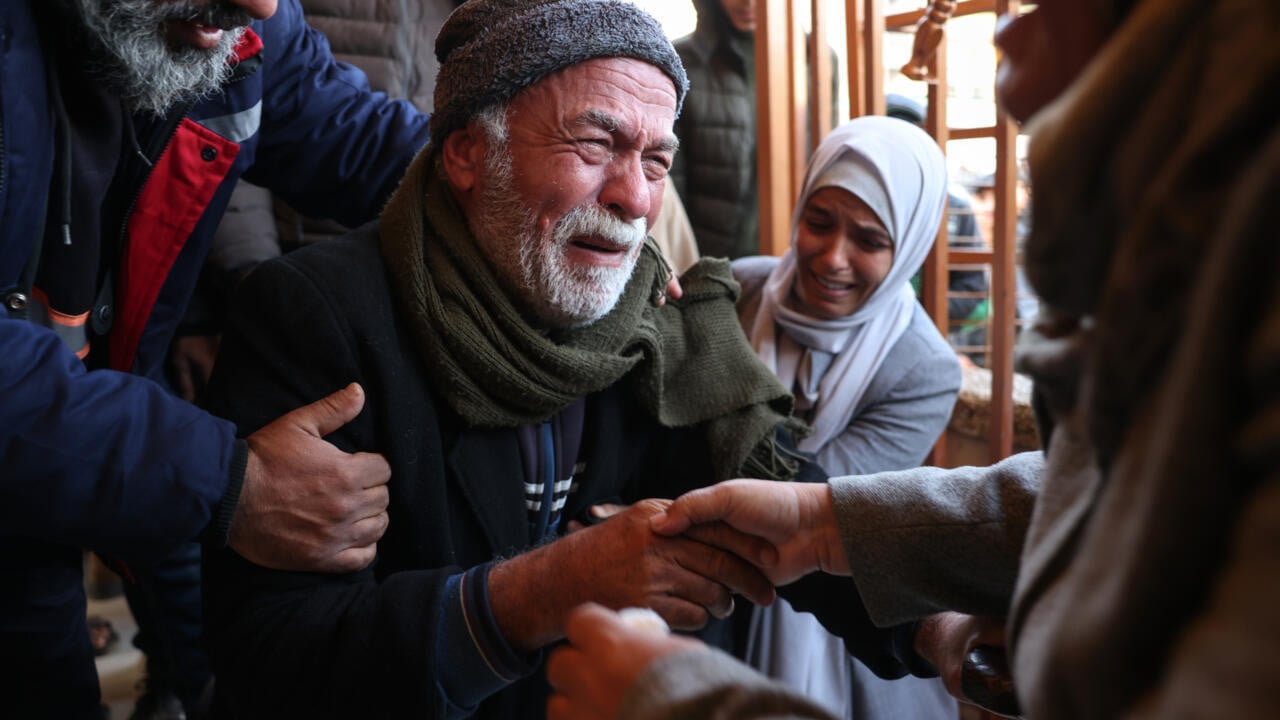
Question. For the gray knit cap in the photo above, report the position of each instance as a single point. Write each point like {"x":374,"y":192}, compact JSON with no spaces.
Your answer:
{"x":490,"y":50}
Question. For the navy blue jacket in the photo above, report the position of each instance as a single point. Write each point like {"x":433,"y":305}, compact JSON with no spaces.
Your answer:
{"x":104,"y":460}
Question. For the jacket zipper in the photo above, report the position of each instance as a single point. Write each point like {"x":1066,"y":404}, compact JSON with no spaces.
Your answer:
{"x":150,"y":159}
{"x":106,"y":295}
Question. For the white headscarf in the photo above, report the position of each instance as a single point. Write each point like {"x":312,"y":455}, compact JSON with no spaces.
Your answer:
{"x":900,"y":173}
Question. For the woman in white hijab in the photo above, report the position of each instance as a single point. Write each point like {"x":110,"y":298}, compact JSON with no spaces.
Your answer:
{"x":837,"y":320}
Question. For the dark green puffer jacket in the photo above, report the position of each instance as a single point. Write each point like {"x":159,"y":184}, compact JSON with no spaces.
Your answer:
{"x":715,"y":170}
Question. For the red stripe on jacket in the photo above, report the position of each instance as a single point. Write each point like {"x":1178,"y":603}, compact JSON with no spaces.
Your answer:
{"x":174,"y":198}
{"x":171,"y":203}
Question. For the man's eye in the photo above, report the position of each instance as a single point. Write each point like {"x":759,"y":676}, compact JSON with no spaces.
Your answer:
{"x":655,"y":170}
{"x":658,"y":164}
{"x":663,"y":160}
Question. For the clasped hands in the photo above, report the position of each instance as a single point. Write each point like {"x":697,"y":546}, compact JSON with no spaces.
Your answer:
{"x":766,"y":533}
{"x":786,"y":531}
{"x":685,"y":559}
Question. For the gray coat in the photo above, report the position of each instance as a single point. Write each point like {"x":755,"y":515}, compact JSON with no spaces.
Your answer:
{"x":906,"y":406}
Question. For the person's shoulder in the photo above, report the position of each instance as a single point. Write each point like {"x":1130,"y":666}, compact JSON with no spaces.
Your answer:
{"x":921,"y":362}
{"x":922,"y":344}
{"x":353,"y":260}
{"x":696,"y":46}
{"x":751,"y":273}
{"x":345,"y":274}
{"x":753,"y":269}
{"x":357,"y":247}
{"x":922,"y":334}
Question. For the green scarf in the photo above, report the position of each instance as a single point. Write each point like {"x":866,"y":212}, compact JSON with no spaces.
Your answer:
{"x":687,"y":362}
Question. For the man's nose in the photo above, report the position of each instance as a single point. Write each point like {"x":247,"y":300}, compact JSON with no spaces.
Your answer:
{"x":626,"y":189}
{"x":257,"y":9}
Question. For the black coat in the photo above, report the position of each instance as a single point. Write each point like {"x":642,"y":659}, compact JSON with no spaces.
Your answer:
{"x":361,"y":645}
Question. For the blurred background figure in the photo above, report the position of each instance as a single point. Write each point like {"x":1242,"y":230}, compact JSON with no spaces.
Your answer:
{"x":715,"y":170}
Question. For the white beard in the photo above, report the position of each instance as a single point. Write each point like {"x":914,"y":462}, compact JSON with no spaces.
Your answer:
{"x":536,"y":268}
{"x":580,"y":295}
{"x":137,"y":62}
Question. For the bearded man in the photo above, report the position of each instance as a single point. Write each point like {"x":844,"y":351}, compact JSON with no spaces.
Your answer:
{"x":123,"y":126}
{"x":503,"y":317}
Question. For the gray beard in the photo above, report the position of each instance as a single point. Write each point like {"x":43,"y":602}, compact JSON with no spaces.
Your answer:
{"x":136,"y":61}
{"x":534,"y":267}
{"x":578,"y":296}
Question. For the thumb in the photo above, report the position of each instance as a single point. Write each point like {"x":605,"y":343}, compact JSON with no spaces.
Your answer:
{"x":704,"y":505}
{"x":678,"y":517}
{"x":330,"y":413}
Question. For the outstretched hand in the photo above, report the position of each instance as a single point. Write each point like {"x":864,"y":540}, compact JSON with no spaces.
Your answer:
{"x":796,"y":519}
{"x":604,"y":656}
{"x":305,"y":504}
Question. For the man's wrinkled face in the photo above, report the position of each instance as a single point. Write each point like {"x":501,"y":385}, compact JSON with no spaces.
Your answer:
{"x":558,"y":292}
{"x":155,"y":54}
{"x":565,"y":197}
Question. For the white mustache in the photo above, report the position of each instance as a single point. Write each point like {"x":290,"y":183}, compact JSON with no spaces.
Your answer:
{"x":594,"y":220}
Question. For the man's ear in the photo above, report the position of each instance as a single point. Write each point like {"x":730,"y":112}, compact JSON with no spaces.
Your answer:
{"x":463,"y":155}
